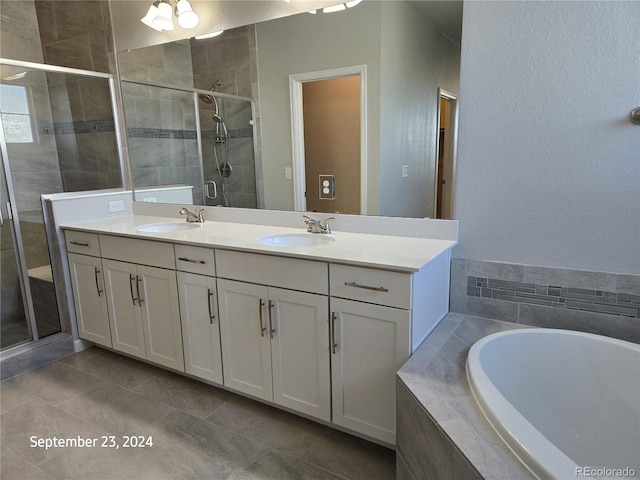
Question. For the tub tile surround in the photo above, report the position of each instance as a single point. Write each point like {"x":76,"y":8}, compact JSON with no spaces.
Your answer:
{"x":594,"y":302}
{"x":441,"y":431}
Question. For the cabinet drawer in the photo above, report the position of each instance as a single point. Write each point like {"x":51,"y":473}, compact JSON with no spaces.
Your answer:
{"x":195,"y":260}
{"x":381,"y":287}
{"x":291,"y":273}
{"x":144,"y":252}
{"x":82,"y":242}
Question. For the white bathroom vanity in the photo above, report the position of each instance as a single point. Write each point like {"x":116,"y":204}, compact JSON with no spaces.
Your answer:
{"x":317,"y":327}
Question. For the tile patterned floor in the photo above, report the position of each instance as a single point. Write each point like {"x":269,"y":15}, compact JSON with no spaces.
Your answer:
{"x":198,"y":431}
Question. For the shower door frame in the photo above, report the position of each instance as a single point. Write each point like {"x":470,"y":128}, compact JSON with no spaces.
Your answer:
{"x":66,"y":326}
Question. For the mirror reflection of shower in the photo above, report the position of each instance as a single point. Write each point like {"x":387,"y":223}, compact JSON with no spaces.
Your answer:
{"x":220,"y":148}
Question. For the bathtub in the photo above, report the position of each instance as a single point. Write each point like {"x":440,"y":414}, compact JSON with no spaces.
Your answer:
{"x":566,"y":403}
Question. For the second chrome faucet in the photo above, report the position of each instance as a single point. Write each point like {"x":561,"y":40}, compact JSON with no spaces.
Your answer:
{"x":317,"y":226}
{"x":192,"y":217}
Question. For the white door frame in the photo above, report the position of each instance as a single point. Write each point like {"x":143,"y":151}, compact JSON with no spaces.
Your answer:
{"x":297,"y":129}
{"x":449,"y":153}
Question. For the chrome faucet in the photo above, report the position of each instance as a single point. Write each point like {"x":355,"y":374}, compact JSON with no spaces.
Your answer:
{"x":316,"y":226}
{"x":192,"y":217}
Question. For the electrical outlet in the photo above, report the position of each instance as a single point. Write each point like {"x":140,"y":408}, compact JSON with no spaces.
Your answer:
{"x":117,"y":206}
{"x":327,"y":187}
{"x":405,"y":170}
{"x":287,"y":173}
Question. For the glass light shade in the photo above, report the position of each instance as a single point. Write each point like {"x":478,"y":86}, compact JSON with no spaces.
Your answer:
{"x":152,"y":13}
{"x":334,"y":8}
{"x":164,"y":19}
{"x":209,"y":35}
{"x":187,"y":18}
{"x":352,"y":3}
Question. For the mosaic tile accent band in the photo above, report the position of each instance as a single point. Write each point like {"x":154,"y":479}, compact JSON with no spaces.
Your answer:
{"x":610,"y":303}
{"x":88,"y":126}
{"x":107,"y":125}
{"x":185,"y":134}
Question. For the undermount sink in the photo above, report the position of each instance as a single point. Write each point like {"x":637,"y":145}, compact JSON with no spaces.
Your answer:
{"x":166,"y":227}
{"x":296,"y":240}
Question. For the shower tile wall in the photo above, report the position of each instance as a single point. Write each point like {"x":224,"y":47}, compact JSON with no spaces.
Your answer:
{"x":231,"y":58}
{"x":161,"y":125}
{"x":76,"y":34}
{"x":85,"y":133}
{"x":19,"y":32}
{"x":596,"y":302}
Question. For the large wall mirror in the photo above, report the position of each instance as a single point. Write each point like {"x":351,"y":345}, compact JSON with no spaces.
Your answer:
{"x":333,"y":112}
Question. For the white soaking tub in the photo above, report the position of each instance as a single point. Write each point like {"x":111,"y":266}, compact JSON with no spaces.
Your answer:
{"x":566,"y":403}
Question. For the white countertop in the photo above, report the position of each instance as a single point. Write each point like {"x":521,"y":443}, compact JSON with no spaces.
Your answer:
{"x":407,"y":254}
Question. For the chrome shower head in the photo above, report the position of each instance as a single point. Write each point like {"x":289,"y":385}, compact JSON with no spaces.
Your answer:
{"x":210,"y":98}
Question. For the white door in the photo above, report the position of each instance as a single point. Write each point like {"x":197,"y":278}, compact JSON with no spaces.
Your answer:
{"x":300,"y":351}
{"x":246,"y":349}
{"x":200,"y":326}
{"x":90,"y":299}
{"x":125,"y":316}
{"x":371,"y":344}
{"x":158,"y":299}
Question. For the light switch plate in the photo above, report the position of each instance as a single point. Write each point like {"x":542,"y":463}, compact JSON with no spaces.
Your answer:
{"x":405,"y":170}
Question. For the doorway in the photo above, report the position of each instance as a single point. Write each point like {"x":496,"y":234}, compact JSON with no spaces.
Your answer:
{"x":445,"y":153}
{"x":328,"y":112}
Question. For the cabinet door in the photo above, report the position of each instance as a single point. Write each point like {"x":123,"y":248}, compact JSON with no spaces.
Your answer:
{"x":299,"y":331}
{"x":158,"y":291}
{"x":246,"y":350}
{"x":125,"y":317}
{"x":371,"y":343}
{"x":200,"y":326}
{"x":90,"y":299}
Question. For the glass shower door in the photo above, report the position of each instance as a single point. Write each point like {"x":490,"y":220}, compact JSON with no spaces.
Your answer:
{"x":57,"y":134}
{"x":15,"y":328}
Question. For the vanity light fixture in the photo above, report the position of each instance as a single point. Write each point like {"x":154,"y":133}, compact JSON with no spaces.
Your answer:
{"x":208,"y":35}
{"x":338,"y":8}
{"x":160,"y":15}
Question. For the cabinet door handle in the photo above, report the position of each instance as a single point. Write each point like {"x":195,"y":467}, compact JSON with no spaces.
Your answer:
{"x":260,"y":305}
{"x":139,"y":280}
{"x":97,"y":285}
{"x":209,"y":300}
{"x":185,"y":259}
{"x":332,"y":330}
{"x":80,"y":244}
{"x":366,"y":287}
{"x":271,"y":329}
{"x":131,"y":280}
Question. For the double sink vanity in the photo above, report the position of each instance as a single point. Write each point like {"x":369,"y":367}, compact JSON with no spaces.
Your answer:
{"x":316,"y":324}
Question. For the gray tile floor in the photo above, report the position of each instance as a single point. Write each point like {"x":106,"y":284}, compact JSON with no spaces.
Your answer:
{"x":198,"y":431}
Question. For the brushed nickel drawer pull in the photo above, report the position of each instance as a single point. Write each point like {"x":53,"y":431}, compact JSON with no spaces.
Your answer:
{"x":366,"y":287}
{"x":97,"y":285}
{"x":209,"y":299}
{"x":131,"y":280}
{"x":333,"y":333}
{"x":185,"y":259}
{"x":80,"y":244}
{"x":139,"y":280}
{"x":260,"y":305}
{"x":271,"y":329}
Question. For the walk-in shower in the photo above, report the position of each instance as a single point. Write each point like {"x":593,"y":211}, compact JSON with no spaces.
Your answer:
{"x":189,"y":145}
{"x":220,"y":148}
{"x":57,"y":134}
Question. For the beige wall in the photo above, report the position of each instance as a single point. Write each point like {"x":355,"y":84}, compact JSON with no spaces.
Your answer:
{"x":332,"y":142}
{"x":416,"y":61}
{"x":299,"y":44}
{"x":406,"y":61}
